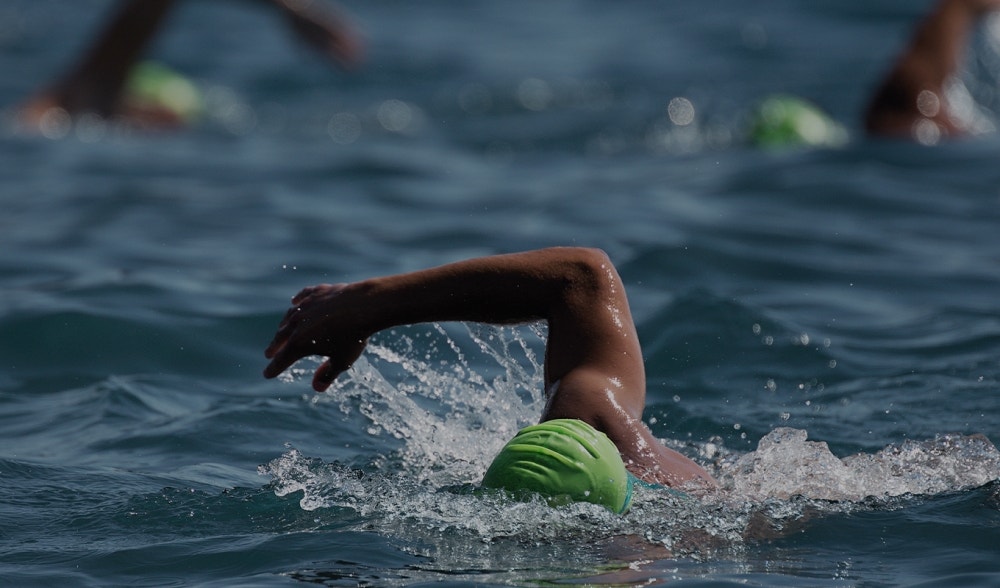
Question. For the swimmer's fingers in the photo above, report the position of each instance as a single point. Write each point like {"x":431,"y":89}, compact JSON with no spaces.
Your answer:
{"x":280,"y":349}
{"x":321,"y":323}
{"x":343,"y":356}
{"x":324,"y":376}
{"x":317,"y":292}
{"x":305,"y":293}
{"x":303,"y":306}
{"x":281,"y":337}
{"x":281,"y":359}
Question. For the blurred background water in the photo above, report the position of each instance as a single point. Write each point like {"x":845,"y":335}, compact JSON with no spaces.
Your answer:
{"x":848,"y":294}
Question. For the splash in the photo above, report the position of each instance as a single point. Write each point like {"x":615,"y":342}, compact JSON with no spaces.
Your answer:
{"x":440,"y":404}
{"x":444,"y":400}
{"x":396,"y":504}
{"x":322,"y":485}
{"x":786,"y":465}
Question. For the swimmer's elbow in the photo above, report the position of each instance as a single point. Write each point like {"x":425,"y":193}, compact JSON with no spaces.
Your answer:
{"x":585,"y":267}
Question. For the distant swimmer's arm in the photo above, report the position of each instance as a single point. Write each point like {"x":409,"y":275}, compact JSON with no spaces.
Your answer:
{"x":593,"y":366}
{"x":914,"y":89}
{"x":98,"y":80}
{"x":325,"y":30}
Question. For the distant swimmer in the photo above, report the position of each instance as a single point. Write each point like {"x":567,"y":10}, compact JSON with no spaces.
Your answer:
{"x":782,"y":121}
{"x":911,"y":101}
{"x":591,"y":443}
{"x":110,"y":81}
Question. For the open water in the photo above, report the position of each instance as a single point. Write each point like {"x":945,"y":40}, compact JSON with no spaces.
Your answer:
{"x":821,"y":326}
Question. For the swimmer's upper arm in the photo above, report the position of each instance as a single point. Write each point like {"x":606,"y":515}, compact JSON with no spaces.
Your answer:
{"x":598,"y":398}
{"x":593,"y":347}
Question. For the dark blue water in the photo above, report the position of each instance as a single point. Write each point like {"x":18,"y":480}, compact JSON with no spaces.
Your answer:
{"x":845,"y":294}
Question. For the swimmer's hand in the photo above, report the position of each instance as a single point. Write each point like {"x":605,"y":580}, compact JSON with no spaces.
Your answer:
{"x":326,"y":31}
{"x":320,"y":322}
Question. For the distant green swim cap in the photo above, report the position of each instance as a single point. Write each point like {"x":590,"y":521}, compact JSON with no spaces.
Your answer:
{"x":156,"y":85}
{"x":565,"y":460}
{"x":787,"y":121}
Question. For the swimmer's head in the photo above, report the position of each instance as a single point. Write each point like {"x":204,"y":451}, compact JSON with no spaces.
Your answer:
{"x":153,"y":86}
{"x":787,"y":121}
{"x":565,"y":460}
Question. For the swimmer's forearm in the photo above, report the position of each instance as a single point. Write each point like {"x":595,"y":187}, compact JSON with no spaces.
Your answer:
{"x":934,"y":53}
{"x":576,"y":291}
{"x":324,"y":28}
{"x":940,"y":40}
{"x":502,"y":289}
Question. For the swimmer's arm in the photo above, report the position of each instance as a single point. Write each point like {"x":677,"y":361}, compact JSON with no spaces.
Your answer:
{"x":932,"y":57}
{"x":325,"y":30}
{"x":599,"y":400}
{"x":575,"y":290}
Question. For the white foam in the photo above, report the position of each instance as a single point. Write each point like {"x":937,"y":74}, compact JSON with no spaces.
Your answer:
{"x":785,"y":465}
{"x":449,"y":409}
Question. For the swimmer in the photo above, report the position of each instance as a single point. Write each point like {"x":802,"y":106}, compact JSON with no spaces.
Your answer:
{"x":594,"y":371}
{"x":782,"y":121}
{"x":100,"y":83}
{"x":911,"y":101}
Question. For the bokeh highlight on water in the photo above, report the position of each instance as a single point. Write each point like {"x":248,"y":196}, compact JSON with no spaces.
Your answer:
{"x":820,"y":325}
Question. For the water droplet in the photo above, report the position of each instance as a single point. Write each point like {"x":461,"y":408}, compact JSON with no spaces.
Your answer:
{"x":681,"y":111}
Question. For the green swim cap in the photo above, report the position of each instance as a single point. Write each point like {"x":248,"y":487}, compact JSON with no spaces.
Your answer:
{"x":565,"y":460}
{"x":154,"y":84}
{"x":788,"y":121}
